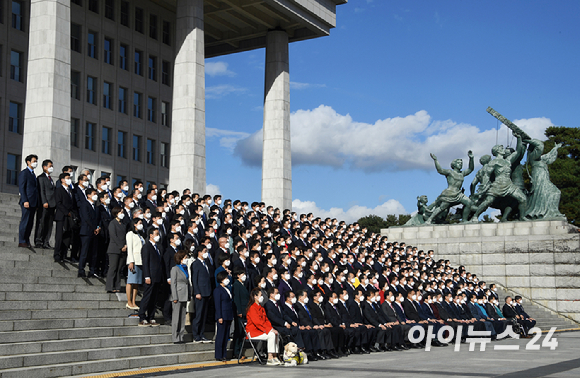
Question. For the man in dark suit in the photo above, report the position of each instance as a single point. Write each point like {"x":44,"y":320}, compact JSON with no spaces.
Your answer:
{"x":393,"y":318}
{"x":153,"y":275}
{"x":45,"y":215}
{"x":371,"y":316}
{"x":90,"y":228}
{"x":327,"y":311}
{"x":103,"y":238}
{"x":355,"y":310}
{"x":362,"y":334}
{"x":28,"y":189}
{"x":201,"y":280}
{"x":528,"y":321}
{"x":309,"y":335}
{"x":307,"y":319}
{"x":280,"y":321}
{"x":65,"y":211}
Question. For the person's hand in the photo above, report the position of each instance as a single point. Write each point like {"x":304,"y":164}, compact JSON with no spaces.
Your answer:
{"x":240,"y":315}
{"x":132,"y":267}
{"x":294,"y":324}
{"x":97,"y":231}
{"x":148,"y":281}
{"x":124,"y":249}
{"x":220,"y":321}
{"x":470,"y":154}
{"x":433,"y":157}
{"x":275,"y":332}
{"x":198,"y":297}
{"x":45,"y":205}
{"x":175,"y":301}
{"x":288,"y":325}
{"x":26,"y":205}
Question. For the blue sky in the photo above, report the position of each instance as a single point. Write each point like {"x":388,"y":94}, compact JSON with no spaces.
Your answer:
{"x":394,"y":81}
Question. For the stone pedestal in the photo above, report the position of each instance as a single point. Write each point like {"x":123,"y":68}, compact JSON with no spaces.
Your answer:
{"x":539,"y":260}
{"x":277,"y":156}
{"x":187,"y":152}
{"x":46,"y":130}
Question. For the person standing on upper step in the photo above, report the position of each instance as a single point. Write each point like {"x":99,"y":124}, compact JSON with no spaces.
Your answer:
{"x":28,"y":189}
{"x":153,"y":273}
{"x":46,"y":208}
{"x":90,"y":229}
{"x":66,"y":213}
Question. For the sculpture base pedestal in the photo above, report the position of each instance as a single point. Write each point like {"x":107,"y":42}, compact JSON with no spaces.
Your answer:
{"x":538,"y":259}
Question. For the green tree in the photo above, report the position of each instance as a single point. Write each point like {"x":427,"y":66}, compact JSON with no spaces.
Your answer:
{"x":373,"y":223}
{"x":565,"y":171}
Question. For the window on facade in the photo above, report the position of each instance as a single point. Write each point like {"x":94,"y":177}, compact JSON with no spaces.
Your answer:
{"x":15,"y":117}
{"x":90,"y":136}
{"x":164,"y":155}
{"x":121,"y":142}
{"x":107,"y":101}
{"x":136,"y":148}
{"x":92,"y":44}
{"x":77,"y":2}
{"x":94,"y":6}
{"x":75,"y":84}
{"x":165,"y":66}
{"x":106,"y":140}
{"x":139,"y":20}
{"x":17,"y":15}
{"x":153,"y":26}
{"x":12,"y":165}
{"x":150,"y":151}
{"x":123,"y":100}
{"x":120,"y":178}
{"x":125,"y":13}
{"x":165,"y":106}
{"x":15,"y":65}
{"x":123,"y":56}
{"x":91,"y":90}
{"x":74,"y":132}
{"x":75,"y":37}
{"x":151,"y":105}
{"x":110,"y":9}
{"x":138,"y":62}
{"x":108,"y":51}
{"x":137,"y":105}
{"x":152,"y":68}
{"x":167,"y":33}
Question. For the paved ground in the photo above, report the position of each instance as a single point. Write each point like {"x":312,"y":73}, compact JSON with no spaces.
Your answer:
{"x":562,"y":362}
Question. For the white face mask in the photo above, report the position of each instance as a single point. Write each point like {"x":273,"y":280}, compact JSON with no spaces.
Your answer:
{"x":131,"y":205}
{"x":156,"y":239}
{"x":414,"y":297}
{"x":121,"y":216}
{"x":243,"y":277}
{"x":227,"y":263}
{"x":211,"y":234}
{"x":139,"y":227}
{"x":141,"y":189}
{"x":226,"y":282}
{"x":159,"y":221}
{"x":276,"y":297}
{"x":275,"y":277}
{"x":261,"y":299}
{"x":67,"y":182}
{"x":177,"y":242}
{"x":392,"y":298}
{"x":94,"y":197}
{"x":50,"y":170}
{"x":229,"y":232}
{"x":107,"y":201}
{"x":125,"y":188}
{"x":204,"y":255}
{"x":139,"y":196}
{"x":263,"y":285}
{"x":293,"y":300}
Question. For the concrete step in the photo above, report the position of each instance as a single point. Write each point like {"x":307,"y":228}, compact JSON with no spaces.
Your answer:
{"x":56,"y":296}
{"x":60,"y":305}
{"x":85,"y":343}
{"x":43,"y":324}
{"x":44,"y":280}
{"x":69,"y":288}
{"x":67,"y":271}
{"x":84,"y":367}
{"x":62,"y":314}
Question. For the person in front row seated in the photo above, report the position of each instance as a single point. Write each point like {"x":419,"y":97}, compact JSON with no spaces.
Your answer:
{"x":478,"y":314}
{"x":180,"y":295}
{"x":309,"y":335}
{"x":371,"y":317}
{"x":529,"y":321}
{"x":361,"y":333}
{"x":318,"y":308}
{"x":393,"y":318}
{"x":201,"y":282}
{"x":355,"y":310}
{"x":510,"y":312}
{"x":307,"y":320}
{"x":259,"y":326}
{"x":224,"y":314}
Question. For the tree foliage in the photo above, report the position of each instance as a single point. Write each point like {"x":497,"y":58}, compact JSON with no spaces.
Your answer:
{"x":374,"y":223}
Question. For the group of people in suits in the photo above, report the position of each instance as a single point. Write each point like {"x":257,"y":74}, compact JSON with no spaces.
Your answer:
{"x":332,"y":288}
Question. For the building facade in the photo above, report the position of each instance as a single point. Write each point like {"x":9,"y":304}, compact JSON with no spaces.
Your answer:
{"x":106,"y":84}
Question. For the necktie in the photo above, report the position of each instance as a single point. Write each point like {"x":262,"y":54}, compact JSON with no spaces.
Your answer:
{"x":306,"y":308}
{"x":50,"y":179}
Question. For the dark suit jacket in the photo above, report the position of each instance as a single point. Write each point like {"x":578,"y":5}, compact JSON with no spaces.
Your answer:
{"x":390,"y":313}
{"x":46,"y":190}
{"x":276,"y":315}
{"x":304,"y":319}
{"x":356,"y":313}
{"x":168,"y":260}
{"x":90,"y":218}
{"x":65,"y":203}
{"x":345,"y":315}
{"x":241,"y":298}
{"x":283,"y":288}
{"x":410,"y":311}
{"x":400,"y":312}
{"x":332,"y":314}
{"x":508,"y":311}
{"x":292,"y":315}
{"x":318,"y":313}
{"x":520,"y":311}
{"x":106,"y":218}
{"x":117,"y":237}
{"x":224,"y":305}
{"x":27,"y":186}
{"x":200,"y":279}
{"x":152,"y":263}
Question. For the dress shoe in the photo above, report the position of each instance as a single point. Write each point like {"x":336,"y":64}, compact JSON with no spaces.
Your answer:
{"x":58,"y":261}
{"x":365,"y":350}
{"x":356,"y":350}
{"x":47,"y":246}
{"x":81,"y":275}
{"x":321,"y":356}
{"x":333,"y":355}
{"x":312,"y":357}
{"x":373,"y":349}
{"x":38,"y":245}
{"x":93,"y":275}
{"x":403,"y":347}
{"x":23,"y":245}
{"x":396,"y":348}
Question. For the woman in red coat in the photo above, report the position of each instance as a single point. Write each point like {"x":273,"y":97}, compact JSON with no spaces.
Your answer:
{"x":259,"y":327}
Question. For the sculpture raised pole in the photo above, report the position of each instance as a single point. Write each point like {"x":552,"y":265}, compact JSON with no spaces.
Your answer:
{"x":501,"y":184}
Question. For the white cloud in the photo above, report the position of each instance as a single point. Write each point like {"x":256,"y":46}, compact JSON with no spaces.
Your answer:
{"x":218,"y":91}
{"x":218,"y":69}
{"x":350,"y":215}
{"x":228,"y":138}
{"x":212,"y":189}
{"x":298,"y":86}
{"x":323,"y":137}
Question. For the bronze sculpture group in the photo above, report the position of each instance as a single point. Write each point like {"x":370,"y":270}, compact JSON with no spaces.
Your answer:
{"x":499,"y":184}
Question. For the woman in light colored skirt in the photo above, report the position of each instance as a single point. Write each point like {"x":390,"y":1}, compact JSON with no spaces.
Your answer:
{"x":135,"y":242}
{"x":180,"y":294}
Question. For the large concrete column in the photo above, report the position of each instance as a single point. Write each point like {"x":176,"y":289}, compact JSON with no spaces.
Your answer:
{"x":277,"y":157}
{"x":187,"y":150}
{"x":46,"y":130}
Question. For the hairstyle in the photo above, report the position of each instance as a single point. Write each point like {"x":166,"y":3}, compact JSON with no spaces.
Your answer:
{"x":116,"y":210}
{"x":221,"y":276}
{"x":30,"y":157}
{"x":179,"y":255}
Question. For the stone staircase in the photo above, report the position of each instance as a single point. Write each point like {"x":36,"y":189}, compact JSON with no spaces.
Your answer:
{"x":53,"y":324}
{"x":545,"y":318}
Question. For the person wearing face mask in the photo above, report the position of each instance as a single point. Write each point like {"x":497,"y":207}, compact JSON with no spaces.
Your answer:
{"x":90,"y":228}
{"x":355,"y":311}
{"x":224,"y":263}
{"x":241,"y":297}
{"x":224,"y":314}
{"x":65,"y":217}
{"x":45,"y":213}
{"x":28,"y":189}
{"x":134,"y":240}
{"x":116,"y":251}
{"x":151,"y":201}
{"x":284,"y":285}
{"x":309,"y":334}
{"x":280,"y":320}
{"x":259,"y":326}
{"x":392,"y":318}
{"x":102,"y":261}
{"x":372,"y":317}
{"x":202,"y":289}
{"x":154,"y":276}
{"x":180,"y":295}
{"x":308,"y":319}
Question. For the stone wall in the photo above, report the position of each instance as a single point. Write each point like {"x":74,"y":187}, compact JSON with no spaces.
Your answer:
{"x":539,"y":260}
